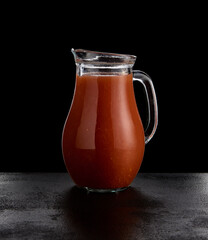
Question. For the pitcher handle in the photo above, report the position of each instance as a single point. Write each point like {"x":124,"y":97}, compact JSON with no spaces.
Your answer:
{"x":146,"y":81}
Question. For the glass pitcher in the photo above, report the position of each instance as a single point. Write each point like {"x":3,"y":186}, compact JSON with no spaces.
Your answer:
{"x":103,"y":138}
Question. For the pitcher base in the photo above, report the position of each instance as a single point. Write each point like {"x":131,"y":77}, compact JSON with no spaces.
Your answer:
{"x":105,"y":190}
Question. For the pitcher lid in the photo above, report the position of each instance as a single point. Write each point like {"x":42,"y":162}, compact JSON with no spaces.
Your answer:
{"x":94,"y":57}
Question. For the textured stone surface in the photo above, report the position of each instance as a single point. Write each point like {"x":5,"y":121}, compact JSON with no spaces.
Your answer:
{"x":156,"y":206}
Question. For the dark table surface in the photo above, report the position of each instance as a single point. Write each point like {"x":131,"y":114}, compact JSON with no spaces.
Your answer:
{"x":156,"y":206}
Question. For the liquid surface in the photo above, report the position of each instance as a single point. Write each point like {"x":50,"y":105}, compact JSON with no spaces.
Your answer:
{"x":103,"y":137}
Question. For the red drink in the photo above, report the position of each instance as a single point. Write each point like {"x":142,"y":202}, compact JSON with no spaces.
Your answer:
{"x":103,"y":138}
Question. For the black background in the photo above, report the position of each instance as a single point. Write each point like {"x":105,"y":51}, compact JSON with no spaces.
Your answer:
{"x":39,"y":77}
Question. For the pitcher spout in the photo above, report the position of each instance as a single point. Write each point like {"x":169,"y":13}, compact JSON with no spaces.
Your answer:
{"x":94,"y":57}
{"x":74,"y":53}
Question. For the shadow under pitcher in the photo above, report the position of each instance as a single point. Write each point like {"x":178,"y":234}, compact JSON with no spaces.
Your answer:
{"x":103,"y":139}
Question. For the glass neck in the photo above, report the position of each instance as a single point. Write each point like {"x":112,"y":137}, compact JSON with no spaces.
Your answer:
{"x":104,"y":69}
{"x":102,"y":63}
